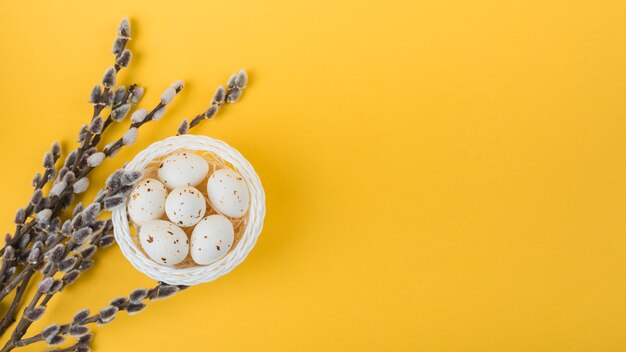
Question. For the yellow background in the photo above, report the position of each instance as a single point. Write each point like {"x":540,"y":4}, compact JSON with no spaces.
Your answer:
{"x":440,"y":175}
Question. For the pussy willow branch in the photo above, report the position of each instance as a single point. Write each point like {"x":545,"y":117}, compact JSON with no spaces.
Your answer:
{"x":38,"y":182}
{"x":109,"y":151}
{"x":54,"y":256}
{"x":221,"y":96}
{"x":109,"y":120}
{"x":133,"y":304}
{"x":231,"y":94}
{"x":9,"y":317}
{"x":119,"y":49}
{"x":122,"y":59}
{"x":42,"y":243}
{"x":100,"y":101}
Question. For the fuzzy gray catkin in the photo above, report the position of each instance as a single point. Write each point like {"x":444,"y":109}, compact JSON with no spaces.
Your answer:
{"x":123,"y":30}
{"x":96,"y":159}
{"x":108,"y":79}
{"x":183,"y":128}
{"x":136,"y":95}
{"x":158,"y":113}
{"x":168,"y":95}
{"x":81,"y":185}
{"x":130,"y":136}
{"x":139,"y":115}
{"x":124,"y":58}
{"x":118,"y":114}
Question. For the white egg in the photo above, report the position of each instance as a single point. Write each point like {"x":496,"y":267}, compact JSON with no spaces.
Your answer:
{"x":228,"y":193}
{"x":183,"y":169}
{"x":164,"y":242}
{"x":211,"y":239}
{"x":185,"y":206}
{"x":147,"y":201}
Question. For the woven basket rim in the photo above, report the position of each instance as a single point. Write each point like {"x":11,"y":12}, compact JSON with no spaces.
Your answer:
{"x":197,"y":274}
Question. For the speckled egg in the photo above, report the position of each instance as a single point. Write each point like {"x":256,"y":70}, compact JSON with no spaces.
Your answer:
{"x":147,"y":201}
{"x":228,"y":193}
{"x":183,"y":169}
{"x":185,"y":206}
{"x":164,"y":242}
{"x":211,"y":239}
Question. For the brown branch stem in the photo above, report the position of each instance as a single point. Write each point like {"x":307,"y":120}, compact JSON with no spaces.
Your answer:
{"x":9,"y":317}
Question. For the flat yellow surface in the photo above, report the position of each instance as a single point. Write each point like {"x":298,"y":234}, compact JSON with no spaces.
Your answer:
{"x":440,"y":175}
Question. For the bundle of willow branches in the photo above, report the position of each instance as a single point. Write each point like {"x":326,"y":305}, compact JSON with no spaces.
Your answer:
{"x":50,"y":250}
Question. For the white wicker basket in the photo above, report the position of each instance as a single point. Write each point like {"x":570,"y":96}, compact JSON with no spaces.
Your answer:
{"x":193,"y":275}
